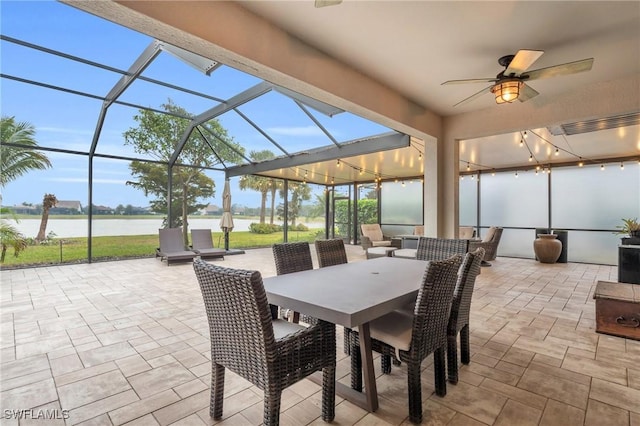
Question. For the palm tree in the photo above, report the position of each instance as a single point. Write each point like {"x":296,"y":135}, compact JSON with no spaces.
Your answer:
{"x":258,"y":183}
{"x":14,"y":161}
{"x":49,"y":201}
{"x":10,"y":237}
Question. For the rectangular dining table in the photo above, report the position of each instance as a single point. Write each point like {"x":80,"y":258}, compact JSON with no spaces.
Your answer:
{"x":351,"y":294}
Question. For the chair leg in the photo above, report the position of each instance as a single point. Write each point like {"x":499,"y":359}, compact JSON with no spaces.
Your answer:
{"x":356,"y":366}
{"x":464,"y":345}
{"x":439,"y":370}
{"x":385,"y":361}
{"x":274,"y":311}
{"x":272,"y":399}
{"x":328,"y":393}
{"x":415,"y":392}
{"x":347,"y":341}
{"x":452,"y":358}
{"x":294,"y":317}
{"x":217,"y":390}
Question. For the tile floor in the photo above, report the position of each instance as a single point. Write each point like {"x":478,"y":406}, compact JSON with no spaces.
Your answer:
{"x":127,"y":343}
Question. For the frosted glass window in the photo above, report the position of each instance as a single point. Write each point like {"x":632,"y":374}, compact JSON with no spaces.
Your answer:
{"x":588,"y":198}
{"x":516,"y":243}
{"x":401,"y":205}
{"x":593,"y":247}
{"x":508,"y":200}
{"x":468,"y":195}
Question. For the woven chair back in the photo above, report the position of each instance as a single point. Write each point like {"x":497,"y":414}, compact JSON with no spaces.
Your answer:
{"x":239,"y":318}
{"x":331,"y":252}
{"x":292,"y":257}
{"x":463,"y":293}
{"x":440,"y":248}
{"x":171,"y":240}
{"x":201,"y":239}
{"x":433,"y":305}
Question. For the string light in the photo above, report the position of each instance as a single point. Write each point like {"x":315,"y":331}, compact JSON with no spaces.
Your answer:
{"x":580,"y":164}
{"x":468,"y":166}
{"x":403,"y":184}
{"x":473,"y":177}
{"x":536,"y":172}
{"x":419,"y":156}
{"x":338,"y":162}
{"x":525,"y":134}
{"x":516,"y":175}
{"x":557,"y":151}
{"x":530,"y":157}
{"x":621,"y":166}
{"x":602,"y":167}
{"x":493,"y":173}
{"x":521,"y":143}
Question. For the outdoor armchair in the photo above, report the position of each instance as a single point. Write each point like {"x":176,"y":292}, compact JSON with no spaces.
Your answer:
{"x":411,"y":338}
{"x":271,"y":354}
{"x":202,"y":244}
{"x":489,"y":243}
{"x":172,"y":248}
{"x":371,"y":236}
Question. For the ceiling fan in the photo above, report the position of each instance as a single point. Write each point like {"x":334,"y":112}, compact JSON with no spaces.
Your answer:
{"x":510,"y":84}
{"x":323,"y":3}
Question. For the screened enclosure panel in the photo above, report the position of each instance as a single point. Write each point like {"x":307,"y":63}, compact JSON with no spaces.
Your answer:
{"x":593,"y":247}
{"x":511,"y":201}
{"x":589,"y":198}
{"x":516,"y":243}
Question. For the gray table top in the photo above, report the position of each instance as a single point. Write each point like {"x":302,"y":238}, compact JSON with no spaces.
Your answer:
{"x":350,"y":294}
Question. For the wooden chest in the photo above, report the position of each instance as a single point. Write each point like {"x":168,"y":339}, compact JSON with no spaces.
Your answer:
{"x":618,"y":309}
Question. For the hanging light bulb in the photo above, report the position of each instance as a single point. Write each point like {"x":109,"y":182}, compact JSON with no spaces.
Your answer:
{"x":361,"y":170}
{"x":338,"y":162}
{"x":403,"y":184}
{"x":557,"y":151}
{"x":461,"y":177}
{"x":493,"y":173}
{"x":536,"y":172}
{"x":419,"y":155}
{"x":332,"y":181}
{"x":473,"y":177}
{"x":621,"y":166}
{"x":396,"y":180}
{"x":516,"y":175}
{"x":602,"y":167}
{"x":468,"y":167}
{"x":521,"y":143}
{"x":580,"y":164}
{"x":538,"y":167}
{"x":530,"y":157}
{"x":525,"y":134}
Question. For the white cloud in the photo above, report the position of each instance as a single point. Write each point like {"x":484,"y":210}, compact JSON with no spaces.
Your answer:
{"x":295,"y":131}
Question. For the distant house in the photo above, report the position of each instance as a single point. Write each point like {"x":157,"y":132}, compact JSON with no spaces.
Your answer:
{"x":102,"y":210}
{"x":22,"y":209}
{"x":211,"y":210}
{"x":66,"y":207}
{"x":239,"y":210}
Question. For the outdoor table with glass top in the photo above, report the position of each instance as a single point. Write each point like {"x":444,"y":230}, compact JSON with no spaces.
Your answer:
{"x":351,"y":294}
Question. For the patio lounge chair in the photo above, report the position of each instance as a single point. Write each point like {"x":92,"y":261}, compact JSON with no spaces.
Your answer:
{"x":172,"y":247}
{"x":271,"y":354}
{"x":202,"y":244}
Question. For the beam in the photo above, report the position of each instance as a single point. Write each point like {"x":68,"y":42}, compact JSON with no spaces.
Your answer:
{"x":235,"y":101}
{"x":370,"y":145}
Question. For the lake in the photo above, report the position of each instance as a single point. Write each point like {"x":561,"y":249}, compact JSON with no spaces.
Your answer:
{"x":67,"y":228}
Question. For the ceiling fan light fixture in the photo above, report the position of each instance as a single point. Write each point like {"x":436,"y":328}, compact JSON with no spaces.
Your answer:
{"x":507,"y":91}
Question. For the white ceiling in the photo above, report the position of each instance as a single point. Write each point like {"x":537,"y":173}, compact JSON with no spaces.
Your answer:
{"x":414,"y":46}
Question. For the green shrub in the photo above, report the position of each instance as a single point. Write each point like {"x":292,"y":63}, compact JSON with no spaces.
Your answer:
{"x":264,"y":228}
{"x":300,"y":227}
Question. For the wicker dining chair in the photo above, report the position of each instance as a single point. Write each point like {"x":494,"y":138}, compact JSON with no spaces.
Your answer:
{"x":459,"y":317}
{"x":271,"y":354}
{"x":440,"y":248}
{"x":289,"y":258}
{"x":330,"y":253}
{"x":413,"y":338}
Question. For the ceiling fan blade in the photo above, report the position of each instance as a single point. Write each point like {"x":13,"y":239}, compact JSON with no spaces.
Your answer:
{"x":475,"y":95}
{"x":470,"y":80}
{"x":323,"y":3}
{"x":522,"y":61}
{"x":526,"y":93}
{"x":563,"y":69}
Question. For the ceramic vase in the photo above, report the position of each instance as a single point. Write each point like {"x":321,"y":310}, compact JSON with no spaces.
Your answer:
{"x":547,"y":248}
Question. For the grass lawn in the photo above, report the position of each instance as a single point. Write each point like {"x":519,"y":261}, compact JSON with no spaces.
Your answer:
{"x":70,"y":250}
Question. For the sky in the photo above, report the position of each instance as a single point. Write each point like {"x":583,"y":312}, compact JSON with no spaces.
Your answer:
{"x":68,"y":121}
